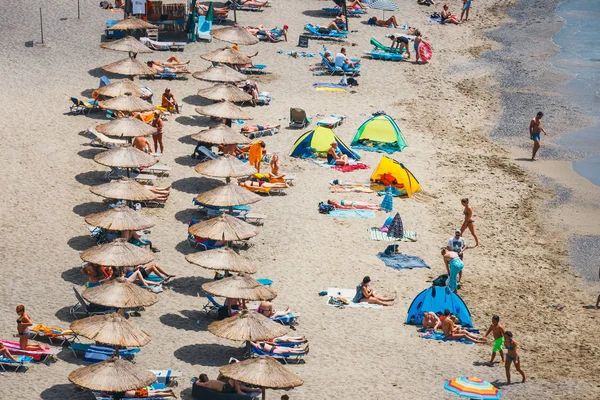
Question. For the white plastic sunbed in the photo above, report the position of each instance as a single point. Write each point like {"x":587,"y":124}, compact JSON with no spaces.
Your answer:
{"x":99,"y":139}
{"x":158,"y":170}
{"x":162,"y":46}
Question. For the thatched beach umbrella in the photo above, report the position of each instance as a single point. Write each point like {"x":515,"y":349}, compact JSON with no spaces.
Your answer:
{"x":236,"y":35}
{"x":123,"y":189}
{"x":223,"y":227}
{"x":220,"y":73}
{"x":119,"y":88}
{"x":119,"y":293}
{"x":131,"y":23}
{"x":226,"y":55}
{"x":224,"y":92}
{"x":121,"y":218}
{"x":118,"y":253}
{"x":112,"y":375}
{"x":223,"y":259}
{"x":228,"y":196}
{"x":111,"y":329}
{"x":126,"y":103}
{"x":226,"y":166}
{"x":128,"y":44}
{"x":125,"y":157}
{"x":224,"y":110}
{"x":126,"y":127}
{"x":239,"y":287}
{"x":247,"y":326}
{"x":220,"y":134}
{"x":264,"y":371}
{"x":129,"y":66}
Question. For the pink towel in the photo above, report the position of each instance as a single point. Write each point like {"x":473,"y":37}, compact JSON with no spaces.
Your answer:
{"x":351,"y":167}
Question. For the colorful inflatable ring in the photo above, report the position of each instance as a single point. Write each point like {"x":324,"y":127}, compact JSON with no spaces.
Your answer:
{"x":425,"y":51}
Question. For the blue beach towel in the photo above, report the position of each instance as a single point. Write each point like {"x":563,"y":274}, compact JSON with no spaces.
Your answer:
{"x":435,"y":20}
{"x":330,"y":85}
{"x":352,"y":214}
{"x":440,"y":336}
{"x":402,"y":261}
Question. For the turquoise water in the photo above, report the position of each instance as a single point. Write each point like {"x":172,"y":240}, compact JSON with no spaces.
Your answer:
{"x":579,"y":42}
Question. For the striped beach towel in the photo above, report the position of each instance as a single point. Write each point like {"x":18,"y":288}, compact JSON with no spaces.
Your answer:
{"x":376,"y":234}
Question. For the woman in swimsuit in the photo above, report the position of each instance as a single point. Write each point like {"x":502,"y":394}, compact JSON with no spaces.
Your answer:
{"x":148,"y":269}
{"x":365,"y":294}
{"x":431,"y":321}
{"x":400,"y":42}
{"x":266,"y":308}
{"x":5,"y":353}
{"x":283,"y":350}
{"x":465,"y":9}
{"x":135,"y":239}
{"x":142,"y":393}
{"x":251,"y":184}
{"x":275,"y":165}
{"x":448,"y":18}
{"x":23,"y":325}
{"x":388,"y":23}
{"x":94,"y":274}
{"x":335,"y":156}
{"x":512,"y":356}
{"x":353,"y":205}
{"x":469,"y":222}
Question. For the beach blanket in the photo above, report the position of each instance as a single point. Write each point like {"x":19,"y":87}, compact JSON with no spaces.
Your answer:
{"x":440,"y":336}
{"x":352,"y":214}
{"x":296,"y":54}
{"x":348,"y":189}
{"x":329,"y":89}
{"x":376,"y":234}
{"x":286,"y":319}
{"x":348,"y":294}
{"x":402,"y":261}
{"x":330,"y":85}
{"x":350,"y":167}
{"x":435,"y":20}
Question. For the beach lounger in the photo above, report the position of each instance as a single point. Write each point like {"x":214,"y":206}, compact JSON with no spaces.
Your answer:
{"x":313,"y":31}
{"x":239,"y":6}
{"x":265,"y":190}
{"x":256,"y":218}
{"x":333,"y":70}
{"x":110,"y":34}
{"x":62,"y":335}
{"x":205,"y":244}
{"x":202,"y":153}
{"x":286,"y":359}
{"x":95,"y":354}
{"x":162,"y":46}
{"x":298,"y":118}
{"x":17,"y":365}
{"x":99,"y":139}
{"x":42,"y":356}
{"x":158,"y":170}
{"x":116,"y":173}
{"x":166,"y":376}
{"x":102,"y":235}
{"x":203,"y":28}
{"x":257,"y":134}
{"x":211,"y":305}
{"x":82,"y":107}
{"x":385,"y":56}
{"x":350,"y":12}
{"x":83,"y":309}
{"x":255,"y":69}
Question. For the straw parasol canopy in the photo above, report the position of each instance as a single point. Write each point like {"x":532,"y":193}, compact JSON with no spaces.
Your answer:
{"x":112,"y":375}
{"x":226,"y":55}
{"x":226,"y":166}
{"x":129,"y":66}
{"x":263,"y":371}
{"x":123,"y":189}
{"x":119,"y":293}
{"x":224,"y":92}
{"x":223,"y":259}
{"x":247,"y":326}
{"x":121,"y":218}
{"x":220,"y":134}
{"x":126,"y":127}
{"x":228,"y":196}
{"x":224,"y":109}
{"x":220,"y":73}
{"x":239,"y":287}
{"x":223,"y":227}
{"x":131,"y":23}
{"x":236,"y":35}
{"x":111,"y":329}
{"x":119,"y":88}
{"x":128,"y":44}
{"x":126,"y":103}
{"x":125,"y":157}
{"x":118,"y":253}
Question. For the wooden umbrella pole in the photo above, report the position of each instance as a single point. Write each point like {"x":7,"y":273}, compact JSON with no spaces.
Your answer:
{"x":264,"y":395}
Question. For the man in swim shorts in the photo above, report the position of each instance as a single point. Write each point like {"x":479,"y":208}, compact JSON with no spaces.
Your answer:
{"x":465,"y":9}
{"x":535,"y":132}
{"x":498,"y":332}
{"x":454,"y":266}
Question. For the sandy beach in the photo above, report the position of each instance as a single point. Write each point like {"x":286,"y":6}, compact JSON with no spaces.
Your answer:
{"x":446,"y":110}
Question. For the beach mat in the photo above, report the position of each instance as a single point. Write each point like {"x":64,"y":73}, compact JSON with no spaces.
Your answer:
{"x":440,"y":336}
{"x":348,"y":189}
{"x":328,"y":89}
{"x":435,"y":20}
{"x":350,"y":167}
{"x":352,"y":213}
{"x":348,"y":294}
{"x":402,"y":261}
{"x":376,"y":234}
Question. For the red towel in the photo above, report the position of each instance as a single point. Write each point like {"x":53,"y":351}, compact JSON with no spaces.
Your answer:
{"x":351,"y":167}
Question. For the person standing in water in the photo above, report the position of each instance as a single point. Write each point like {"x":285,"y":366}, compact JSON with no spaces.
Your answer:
{"x":512,"y":356}
{"x":498,"y":331}
{"x":535,"y":133}
{"x":469,"y":222}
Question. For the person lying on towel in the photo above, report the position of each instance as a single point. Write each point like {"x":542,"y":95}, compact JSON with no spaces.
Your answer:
{"x":281,"y":350}
{"x":230,"y":386}
{"x":176,"y":69}
{"x":353,"y":205}
{"x":140,"y":393}
{"x":258,"y":128}
{"x":261,"y":184}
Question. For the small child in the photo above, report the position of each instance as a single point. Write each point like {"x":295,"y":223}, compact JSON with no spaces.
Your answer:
{"x":498,"y":331}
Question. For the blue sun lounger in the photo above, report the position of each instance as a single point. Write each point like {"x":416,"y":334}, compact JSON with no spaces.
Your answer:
{"x":154,"y":386}
{"x":383,"y":55}
{"x":314,"y":31}
{"x":96,"y":354}
{"x":17,"y":365}
{"x":256,"y":69}
{"x":337,"y":10}
{"x":333,"y":70}
{"x":295,"y":358}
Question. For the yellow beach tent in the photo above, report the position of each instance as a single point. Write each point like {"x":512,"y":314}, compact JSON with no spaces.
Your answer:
{"x":391,"y":172}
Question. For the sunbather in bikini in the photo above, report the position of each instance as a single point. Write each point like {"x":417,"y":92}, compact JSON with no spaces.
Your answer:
{"x":355,"y":5}
{"x":266,"y":308}
{"x":335,"y":156}
{"x":181,"y":69}
{"x":261,"y":184}
{"x":148,"y":269}
{"x":258,"y":128}
{"x":353,"y":205}
{"x":388,"y":23}
{"x":448,"y":18}
{"x":431,"y":321}
{"x":94,"y":274}
{"x":171,"y":62}
{"x":366,"y":295}
{"x":282,"y":350}
{"x":137,"y":278}
{"x":253,"y":3}
{"x":275,"y":165}
{"x":24,"y":325}
{"x":288,"y":339}
{"x":142,"y":393}
{"x":326,"y":30}
{"x":5,"y":353}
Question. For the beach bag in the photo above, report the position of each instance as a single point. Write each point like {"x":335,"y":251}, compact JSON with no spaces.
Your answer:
{"x":440,"y":280}
{"x":371,"y":21}
{"x":352,"y":82}
{"x":335,"y":302}
{"x":325,"y":208}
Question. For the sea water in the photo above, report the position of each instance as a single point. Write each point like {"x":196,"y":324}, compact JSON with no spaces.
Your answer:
{"x":579,"y":42}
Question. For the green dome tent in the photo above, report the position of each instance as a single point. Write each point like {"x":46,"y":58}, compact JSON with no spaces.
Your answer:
{"x":379,"y":133}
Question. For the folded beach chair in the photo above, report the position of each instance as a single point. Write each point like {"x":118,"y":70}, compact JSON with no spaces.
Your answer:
{"x":162,"y":46}
{"x":211,"y":305}
{"x":62,"y":335}
{"x":317,"y":32}
{"x":17,"y":365}
{"x":41,"y":356}
{"x":203,"y":28}
{"x":82,"y":107}
{"x":99,"y":139}
{"x":255,"y":69}
{"x":298,"y":118}
{"x":295,"y":358}
{"x":116,"y":173}
{"x":202,"y":153}
{"x":83,"y":309}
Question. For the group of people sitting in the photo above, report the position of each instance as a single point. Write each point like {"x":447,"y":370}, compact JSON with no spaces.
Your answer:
{"x":272,"y":35}
{"x":341,"y":60}
{"x":231,"y":306}
{"x":99,"y":274}
{"x":450,"y":326}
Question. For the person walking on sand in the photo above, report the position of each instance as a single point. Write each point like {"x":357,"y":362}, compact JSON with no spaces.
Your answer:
{"x":465,"y":9}
{"x":469,"y":222}
{"x":498,"y":331}
{"x":535,"y":133}
{"x":512,"y":356}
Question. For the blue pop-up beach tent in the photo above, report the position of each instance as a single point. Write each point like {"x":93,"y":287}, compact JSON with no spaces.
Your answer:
{"x":437,"y":299}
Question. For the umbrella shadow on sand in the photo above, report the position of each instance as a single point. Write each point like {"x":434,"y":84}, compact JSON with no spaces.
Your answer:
{"x":74,"y":276}
{"x":187,"y":139}
{"x":184,"y":248}
{"x":196,"y":100}
{"x":91,"y":178}
{"x":184,"y":216}
{"x":90,"y":153}
{"x":190,"y":321}
{"x":86,"y":209}
{"x":64,"y":391}
{"x":186,"y":161}
{"x":316,"y":14}
{"x":194,"y":120}
{"x":186,"y":394}
{"x":188,"y":285}
{"x":196,"y":184}
{"x":64,"y":314}
{"x":81,"y":243}
{"x":99,"y":73}
{"x":208,"y":354}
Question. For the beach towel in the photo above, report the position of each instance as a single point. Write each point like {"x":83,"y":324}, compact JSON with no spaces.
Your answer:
{"x":352,"y":214}
{"x":440,"y":336}
{"x":348,"y":189}
{"x":329,"y":89}
{"x":348,"y":294}
{"x":387,"y":204}
{"x":330,"y":85}
{"x":299,"y":54}
{"x":402,"y":261}
{"x":435,"y":20}
{"x":376,"y":234}
{"x":350,"y":167}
